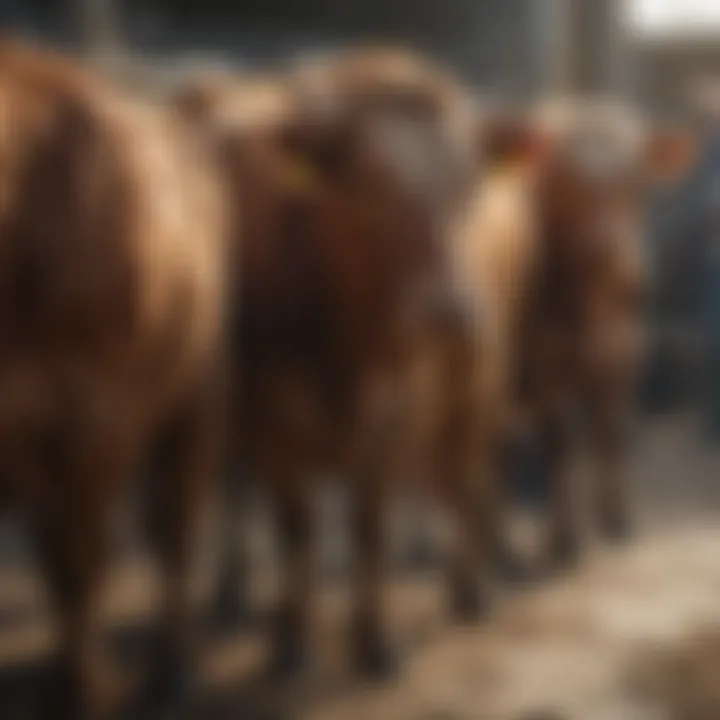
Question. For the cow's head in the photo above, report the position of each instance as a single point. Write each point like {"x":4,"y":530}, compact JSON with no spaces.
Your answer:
{"x":603,"y":163}
{"x":398,"y":139}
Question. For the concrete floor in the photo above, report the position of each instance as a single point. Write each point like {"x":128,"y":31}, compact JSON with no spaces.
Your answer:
{"x":633,"y":634}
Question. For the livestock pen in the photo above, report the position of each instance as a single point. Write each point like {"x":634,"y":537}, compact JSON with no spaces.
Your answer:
{"x":632,"y":632}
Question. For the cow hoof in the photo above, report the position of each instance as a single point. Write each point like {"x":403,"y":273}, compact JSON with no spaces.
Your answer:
{"x":469,"y":602}
{"x":375,"y":657}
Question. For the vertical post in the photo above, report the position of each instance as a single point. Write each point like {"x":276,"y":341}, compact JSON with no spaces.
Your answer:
{"x":550,"y":24}
{"x":591,"y":49}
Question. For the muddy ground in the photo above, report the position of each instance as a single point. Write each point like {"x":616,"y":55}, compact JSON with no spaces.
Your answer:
{"x":633,"y":634}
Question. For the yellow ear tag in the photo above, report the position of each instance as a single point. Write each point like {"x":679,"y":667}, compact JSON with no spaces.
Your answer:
{"x":507,"y":167}
{"x":300,"y":175}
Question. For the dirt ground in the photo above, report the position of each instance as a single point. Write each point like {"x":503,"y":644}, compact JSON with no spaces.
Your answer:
{"x":633,"y":634}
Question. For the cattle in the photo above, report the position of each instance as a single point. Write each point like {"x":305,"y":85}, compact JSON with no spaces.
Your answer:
{"x":352,"y":176}
{"x":496,"y":242}
{"x":556,"y":256}
{"x":112,"y":291}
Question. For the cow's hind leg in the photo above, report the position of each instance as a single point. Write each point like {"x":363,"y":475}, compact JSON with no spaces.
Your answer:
{"x":469,"y":478}
{"x":465,"y":467}
{"x":505,"y":477}
{"x":72,"y":559}
{"x":186,"y":463}
{"x":421,"y":553}
{"x":290,"y":628}
{"x":373,"y":486}
{"x":564,"y":532}
{"x":609,"y":436}
{"x":230,"y":607}
{"x":374,"y":655}
{"x":71,"y":536}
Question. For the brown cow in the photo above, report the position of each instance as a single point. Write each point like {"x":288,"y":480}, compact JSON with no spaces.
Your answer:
{"x":556,"y":259}
{"x":352,"y":184}
{"x":111,"y":295}
{"x":592,"y":283}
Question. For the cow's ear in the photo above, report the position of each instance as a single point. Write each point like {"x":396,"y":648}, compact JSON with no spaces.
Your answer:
{"x":669,"y":155}
{"x":511,"y":140}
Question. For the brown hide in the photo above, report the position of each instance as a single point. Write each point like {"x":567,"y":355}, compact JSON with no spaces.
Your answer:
{"x":97,"y":271}
{"x":580,"y":333}
{"x":111,"y":292}
{"x":342,"y":244}
{"x":350,"y":188}
{"x":541,"y":260}
{"x":592,"y":276}
{"x":552,"y":255}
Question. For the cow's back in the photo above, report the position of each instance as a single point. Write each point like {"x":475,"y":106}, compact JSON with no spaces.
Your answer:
{"x":499,"y":250}
{"x":109,"y":246}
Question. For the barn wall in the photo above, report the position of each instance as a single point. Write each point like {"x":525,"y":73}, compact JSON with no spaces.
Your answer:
{"x":494,"y":43}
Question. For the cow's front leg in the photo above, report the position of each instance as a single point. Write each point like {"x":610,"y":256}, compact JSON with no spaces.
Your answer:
{"x":187,"y":460}
{"x":71,"y":531}
{"x":230,"y":607}
{"x":564,"y":529}
{"x":609,"y":429}
{"x":290,"y":630}
{"x":374,"y":654}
